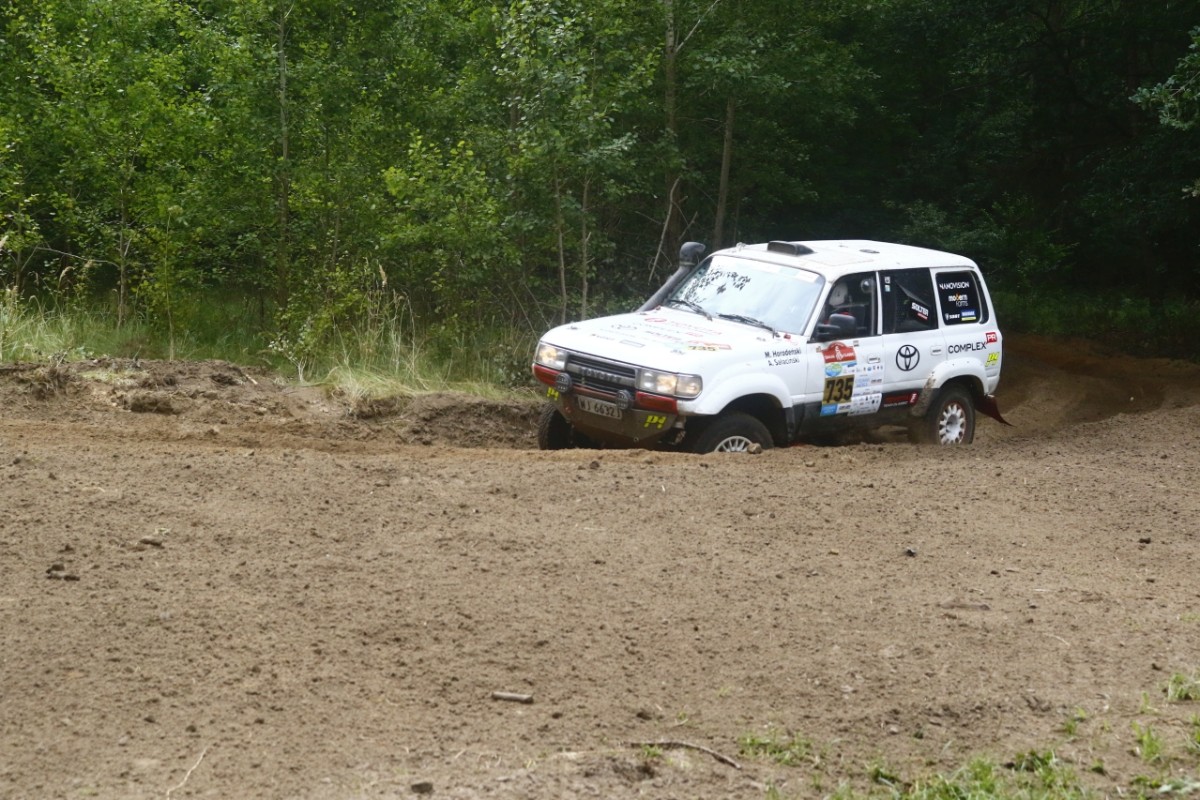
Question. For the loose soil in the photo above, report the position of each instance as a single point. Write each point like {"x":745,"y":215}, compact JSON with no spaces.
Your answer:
{"x":214,"y":584}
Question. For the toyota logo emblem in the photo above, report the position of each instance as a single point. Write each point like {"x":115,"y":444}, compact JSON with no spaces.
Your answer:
{"x":907,"y":358}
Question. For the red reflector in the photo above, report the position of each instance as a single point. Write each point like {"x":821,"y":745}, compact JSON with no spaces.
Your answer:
{"x":656,"y":402}
{"x":544,"y":374}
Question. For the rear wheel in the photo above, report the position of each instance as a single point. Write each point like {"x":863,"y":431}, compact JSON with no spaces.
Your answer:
{"x":733,"y":433}
{"x":949,"y":420}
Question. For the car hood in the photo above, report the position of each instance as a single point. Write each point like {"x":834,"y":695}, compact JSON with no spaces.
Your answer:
{"x":664,"y":338}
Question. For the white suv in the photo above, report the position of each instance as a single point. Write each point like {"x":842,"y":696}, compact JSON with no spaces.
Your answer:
{"x":770,"y":344}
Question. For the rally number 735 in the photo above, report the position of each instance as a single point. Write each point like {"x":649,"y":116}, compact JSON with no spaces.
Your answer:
{"x":839,"y":389}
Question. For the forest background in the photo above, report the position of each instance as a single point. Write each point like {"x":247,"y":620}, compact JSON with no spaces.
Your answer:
{"x":417,"y":187}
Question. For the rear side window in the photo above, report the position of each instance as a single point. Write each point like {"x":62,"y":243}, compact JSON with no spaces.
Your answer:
{"x":959,"y":296}
{"x":908,"y":301}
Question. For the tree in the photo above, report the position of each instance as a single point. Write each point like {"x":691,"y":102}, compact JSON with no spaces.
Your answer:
{"x":568,"y":71}
{"x":1177,"y":99}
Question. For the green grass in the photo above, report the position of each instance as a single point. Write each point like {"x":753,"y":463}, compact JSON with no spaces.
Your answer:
{"x":1030,"y":776}
{"x":1071,"y":725}
{"x":382,"y":355}
{"x":1149,"y":745}
{"x":788,"y":749}
{"x":1183,"y":688}
{"x":33,"y":330}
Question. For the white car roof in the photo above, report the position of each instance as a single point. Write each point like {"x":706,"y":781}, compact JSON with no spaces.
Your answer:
{"x":836,"y":257}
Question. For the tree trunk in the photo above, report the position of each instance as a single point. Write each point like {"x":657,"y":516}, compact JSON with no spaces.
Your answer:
{"x":283,"y":186}
{"x":559,"y":224}
{"x":584,"y":235}
{"x":123,"y":241}
{"x":670,"y":99}
{"x":723,"y":188}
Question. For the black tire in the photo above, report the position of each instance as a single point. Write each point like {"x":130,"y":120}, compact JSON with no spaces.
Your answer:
{"x":950,"y":419}
{"x":554,"y":431}
{"x":734,"y":432}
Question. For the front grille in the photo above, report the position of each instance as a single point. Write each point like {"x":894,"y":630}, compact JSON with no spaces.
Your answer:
{"x":605,"y":376}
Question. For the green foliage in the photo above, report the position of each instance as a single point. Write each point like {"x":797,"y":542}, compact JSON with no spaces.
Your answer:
{"x":448,"y":241}
{"x":788,"y":749}
{"x":1071,"y":724}
{"x":1134,"y":324}
{"x":1183,"y":688}
{"x":1032,"y":775}
{"x":508,"y":165}
{"x":1177,"y":98}
{"x":1148,"y":744}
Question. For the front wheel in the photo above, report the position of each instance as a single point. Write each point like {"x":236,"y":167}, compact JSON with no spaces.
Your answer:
{"x":949,"y":420}
{"x":733,"y":433}
{"x":554,"y":431}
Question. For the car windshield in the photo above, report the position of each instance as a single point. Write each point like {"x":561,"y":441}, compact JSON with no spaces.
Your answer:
{"x":754,"y":292}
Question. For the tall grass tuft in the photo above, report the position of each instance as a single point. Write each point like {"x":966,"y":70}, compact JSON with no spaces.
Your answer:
{"x":387,"y":352}
{"x":392,"y":353}
{"x":1182,"y":687}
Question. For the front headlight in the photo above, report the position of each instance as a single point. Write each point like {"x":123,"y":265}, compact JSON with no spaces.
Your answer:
{"x":668,"y":383}
{"x":550,"y":356}
{"x":689,"y":386}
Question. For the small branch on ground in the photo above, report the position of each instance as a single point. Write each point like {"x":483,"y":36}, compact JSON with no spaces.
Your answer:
{"x":669,"y":743}
{"x":513,"y":697}
{"x":188,"y":775}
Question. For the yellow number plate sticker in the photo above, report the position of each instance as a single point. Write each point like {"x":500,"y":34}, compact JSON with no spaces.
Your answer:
{"x":839,"y":389}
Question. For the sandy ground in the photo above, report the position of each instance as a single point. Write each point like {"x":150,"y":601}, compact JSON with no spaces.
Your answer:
{"x":216,"y":585}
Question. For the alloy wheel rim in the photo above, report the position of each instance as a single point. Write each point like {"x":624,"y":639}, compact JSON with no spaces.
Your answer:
{"x":952,"y":426}
{"x":733,"y":444}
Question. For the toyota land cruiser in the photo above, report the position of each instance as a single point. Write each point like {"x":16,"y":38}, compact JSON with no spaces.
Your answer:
{"x":770,"y":344}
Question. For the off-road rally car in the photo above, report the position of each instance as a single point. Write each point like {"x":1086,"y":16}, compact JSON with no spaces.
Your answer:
{"x":771,"y":344}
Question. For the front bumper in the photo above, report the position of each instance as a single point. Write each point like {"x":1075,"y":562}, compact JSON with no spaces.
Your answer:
{"x":610,"y":417}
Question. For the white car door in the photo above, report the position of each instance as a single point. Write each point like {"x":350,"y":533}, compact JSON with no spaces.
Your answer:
{"x":913,"y":341}
{"x":845,"y":375}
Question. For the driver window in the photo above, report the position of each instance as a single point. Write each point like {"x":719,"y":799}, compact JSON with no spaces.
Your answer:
{"x":854,"y":295}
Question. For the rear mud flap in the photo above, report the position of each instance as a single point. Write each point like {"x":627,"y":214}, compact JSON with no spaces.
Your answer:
{"x":987,"y":405}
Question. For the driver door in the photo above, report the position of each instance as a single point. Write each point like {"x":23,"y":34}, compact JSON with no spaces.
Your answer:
{"x":845,"y":374}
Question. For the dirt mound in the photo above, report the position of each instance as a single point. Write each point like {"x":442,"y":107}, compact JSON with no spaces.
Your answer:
{"x":225,"y":402}
{"x":218,"y":584}
{"x":1051,"y":384}
{"x":1048,"y":385}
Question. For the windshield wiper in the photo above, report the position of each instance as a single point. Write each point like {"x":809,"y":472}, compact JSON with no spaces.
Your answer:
{"x":699,"y":309}
{"x":749,"y":321}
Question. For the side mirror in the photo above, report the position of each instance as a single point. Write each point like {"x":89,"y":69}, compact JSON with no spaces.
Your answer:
{"x":840,"y":326}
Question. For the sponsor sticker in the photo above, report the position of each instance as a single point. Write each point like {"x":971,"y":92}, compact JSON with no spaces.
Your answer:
{"x":899,"y":399}
{"x":839,"y":352}
{"x":865,"y":404}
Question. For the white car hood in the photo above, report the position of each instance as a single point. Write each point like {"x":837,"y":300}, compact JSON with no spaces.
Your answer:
{"x":665,"y":338}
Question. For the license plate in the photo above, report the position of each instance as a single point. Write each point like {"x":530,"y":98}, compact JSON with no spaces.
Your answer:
{"x":600,"y":407}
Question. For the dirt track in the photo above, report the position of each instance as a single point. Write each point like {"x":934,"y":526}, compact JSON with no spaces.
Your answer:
{"x":213,"y":585}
